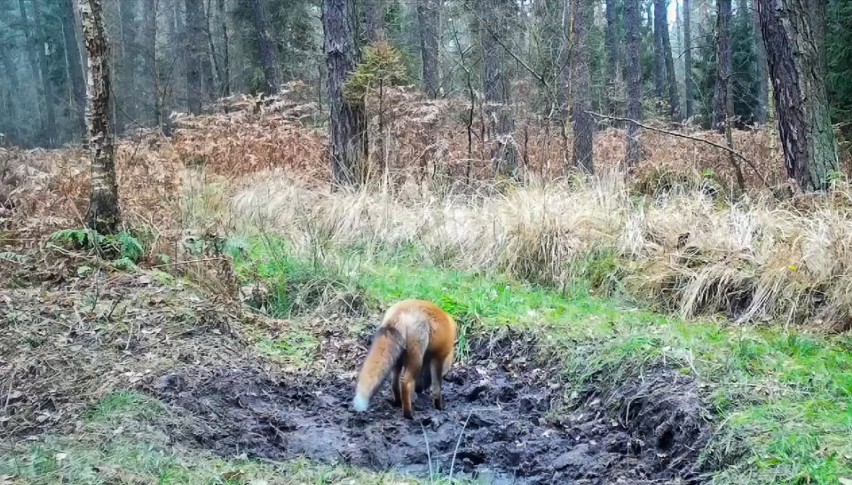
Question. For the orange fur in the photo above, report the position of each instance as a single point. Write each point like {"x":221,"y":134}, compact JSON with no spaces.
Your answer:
{"x":413,"y":334}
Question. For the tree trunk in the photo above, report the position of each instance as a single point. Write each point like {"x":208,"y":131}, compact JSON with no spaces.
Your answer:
{"x":75,"y":68}
{"x":761,"y":68}
{"x":659,"y":54}
{"x":687,"y":57}
{"x":634,"y":81}
{"x":199,"y":74}
{"x":103,"y":214}
{"x":151,"y":91}
{"x":226,"y":57}
{"x":10,"y":102}
{"x":266,"y":47}
{"x":36,"y":51}
{"x":724,"y":60}
{"x":126,"y":72}
{"x":32,"y":58}
{"x":613,"y":67}
{"x":175,"y":90}
{"x":581,"y":83}
{"x":347,"y":124}
{"x":671,"y":80}
{"x":374,"y":22}
{"x":792,"y":31}
{"x":429,"y":20}
{"x":495,"y":15}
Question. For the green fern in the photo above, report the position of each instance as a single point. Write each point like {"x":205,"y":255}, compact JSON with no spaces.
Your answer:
{"x":76,"y":238}
{"x":124,"y":264}
{"x":121,"y":246}
{"x":15,"y":257}
{"x":129,"y":246}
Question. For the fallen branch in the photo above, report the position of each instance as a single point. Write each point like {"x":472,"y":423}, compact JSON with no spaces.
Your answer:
{"x":693,"y":138}
{"x":189,"y":261}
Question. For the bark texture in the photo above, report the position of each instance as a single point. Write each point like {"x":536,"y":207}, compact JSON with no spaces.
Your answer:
{"x":151,"y":108}
{"x":613,"y":66}
{"x":792,"y":31}
{"x":762,"y":70}
{"x":75,"y":67}
{"x":429,"y":20}
{"x":671,"y":80}
{"x":495,"y":16}
{"x":634,"y":80}
{"x":687,"y":58}
{"x":266,"y":48}
{"x":347,"y":124}
{"x":199,"y":71}
{"x":103,"y":213}
{"x":724,"y":60}
{"x":581,"y":80}
{"x":659,"y":55}
{"x":35,"y":40}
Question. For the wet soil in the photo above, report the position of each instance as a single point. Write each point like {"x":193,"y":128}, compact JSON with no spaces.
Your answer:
{"x":497,"y":425}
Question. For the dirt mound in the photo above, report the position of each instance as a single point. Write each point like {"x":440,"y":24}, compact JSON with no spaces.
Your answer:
{"x":69,"y":340}
{"x":496,"y":425}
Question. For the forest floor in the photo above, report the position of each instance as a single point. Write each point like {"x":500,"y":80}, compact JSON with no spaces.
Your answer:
{"x":608,"y":334}
{"x":115,"y":376}
{"x":140,"y":378}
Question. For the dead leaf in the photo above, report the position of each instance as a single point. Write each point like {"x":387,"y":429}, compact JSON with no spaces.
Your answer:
{"x":233,"y":475}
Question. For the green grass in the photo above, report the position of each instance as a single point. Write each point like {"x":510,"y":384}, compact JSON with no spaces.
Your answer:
{"x":108,"y":461}
{"x":783,"y":399}
{"x":295,"y":348}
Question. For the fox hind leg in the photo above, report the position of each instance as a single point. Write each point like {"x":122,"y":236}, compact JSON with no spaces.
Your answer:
{"x":410,"y":374}
{"x":424,"y":381}
{"x":396,"y":384}
{"x":437,"y":371}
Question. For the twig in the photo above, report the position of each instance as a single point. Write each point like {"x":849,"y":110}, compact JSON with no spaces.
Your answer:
{"x":428,"y":454}
{"x":12,"y":383}
{"x":538,"y":76}
{"x":458,"y":443}
{"x":693,"y":138}
{"x":175,"y":263}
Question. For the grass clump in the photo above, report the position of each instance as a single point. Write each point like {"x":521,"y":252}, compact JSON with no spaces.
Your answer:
{"x":294,"y":348}
{"x":293,"y":286}
{"x":122,"y":404}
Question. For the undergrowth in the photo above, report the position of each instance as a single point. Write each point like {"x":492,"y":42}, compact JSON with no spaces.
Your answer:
{"x":782,"y":398}
{"x":125,"y":248}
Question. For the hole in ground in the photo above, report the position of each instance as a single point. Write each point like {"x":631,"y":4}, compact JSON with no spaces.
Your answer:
{"x":496,"y":402}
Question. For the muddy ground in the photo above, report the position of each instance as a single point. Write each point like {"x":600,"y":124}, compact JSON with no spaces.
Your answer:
{"x":496,"y":425}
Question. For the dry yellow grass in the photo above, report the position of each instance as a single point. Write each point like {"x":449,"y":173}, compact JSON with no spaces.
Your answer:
{"x":755,"y":261}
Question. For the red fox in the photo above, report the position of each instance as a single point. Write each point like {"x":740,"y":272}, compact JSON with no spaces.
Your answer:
{"x":415,"y":345}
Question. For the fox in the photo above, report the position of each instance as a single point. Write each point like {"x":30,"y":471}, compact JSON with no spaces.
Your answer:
{"x":415,"y":344}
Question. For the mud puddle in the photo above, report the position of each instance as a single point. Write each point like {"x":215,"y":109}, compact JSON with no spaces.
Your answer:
{"x":496,"y":425}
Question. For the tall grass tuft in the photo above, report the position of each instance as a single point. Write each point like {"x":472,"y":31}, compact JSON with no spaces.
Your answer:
{"x":682,"y":249}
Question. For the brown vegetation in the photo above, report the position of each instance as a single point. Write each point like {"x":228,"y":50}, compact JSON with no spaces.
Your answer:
{"x":688,"y":248}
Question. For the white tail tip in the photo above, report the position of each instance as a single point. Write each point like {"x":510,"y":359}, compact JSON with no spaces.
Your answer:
{"x":360,"y":403}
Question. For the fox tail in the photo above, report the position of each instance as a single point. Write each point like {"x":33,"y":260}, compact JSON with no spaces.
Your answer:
{"x":387,"y":348}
